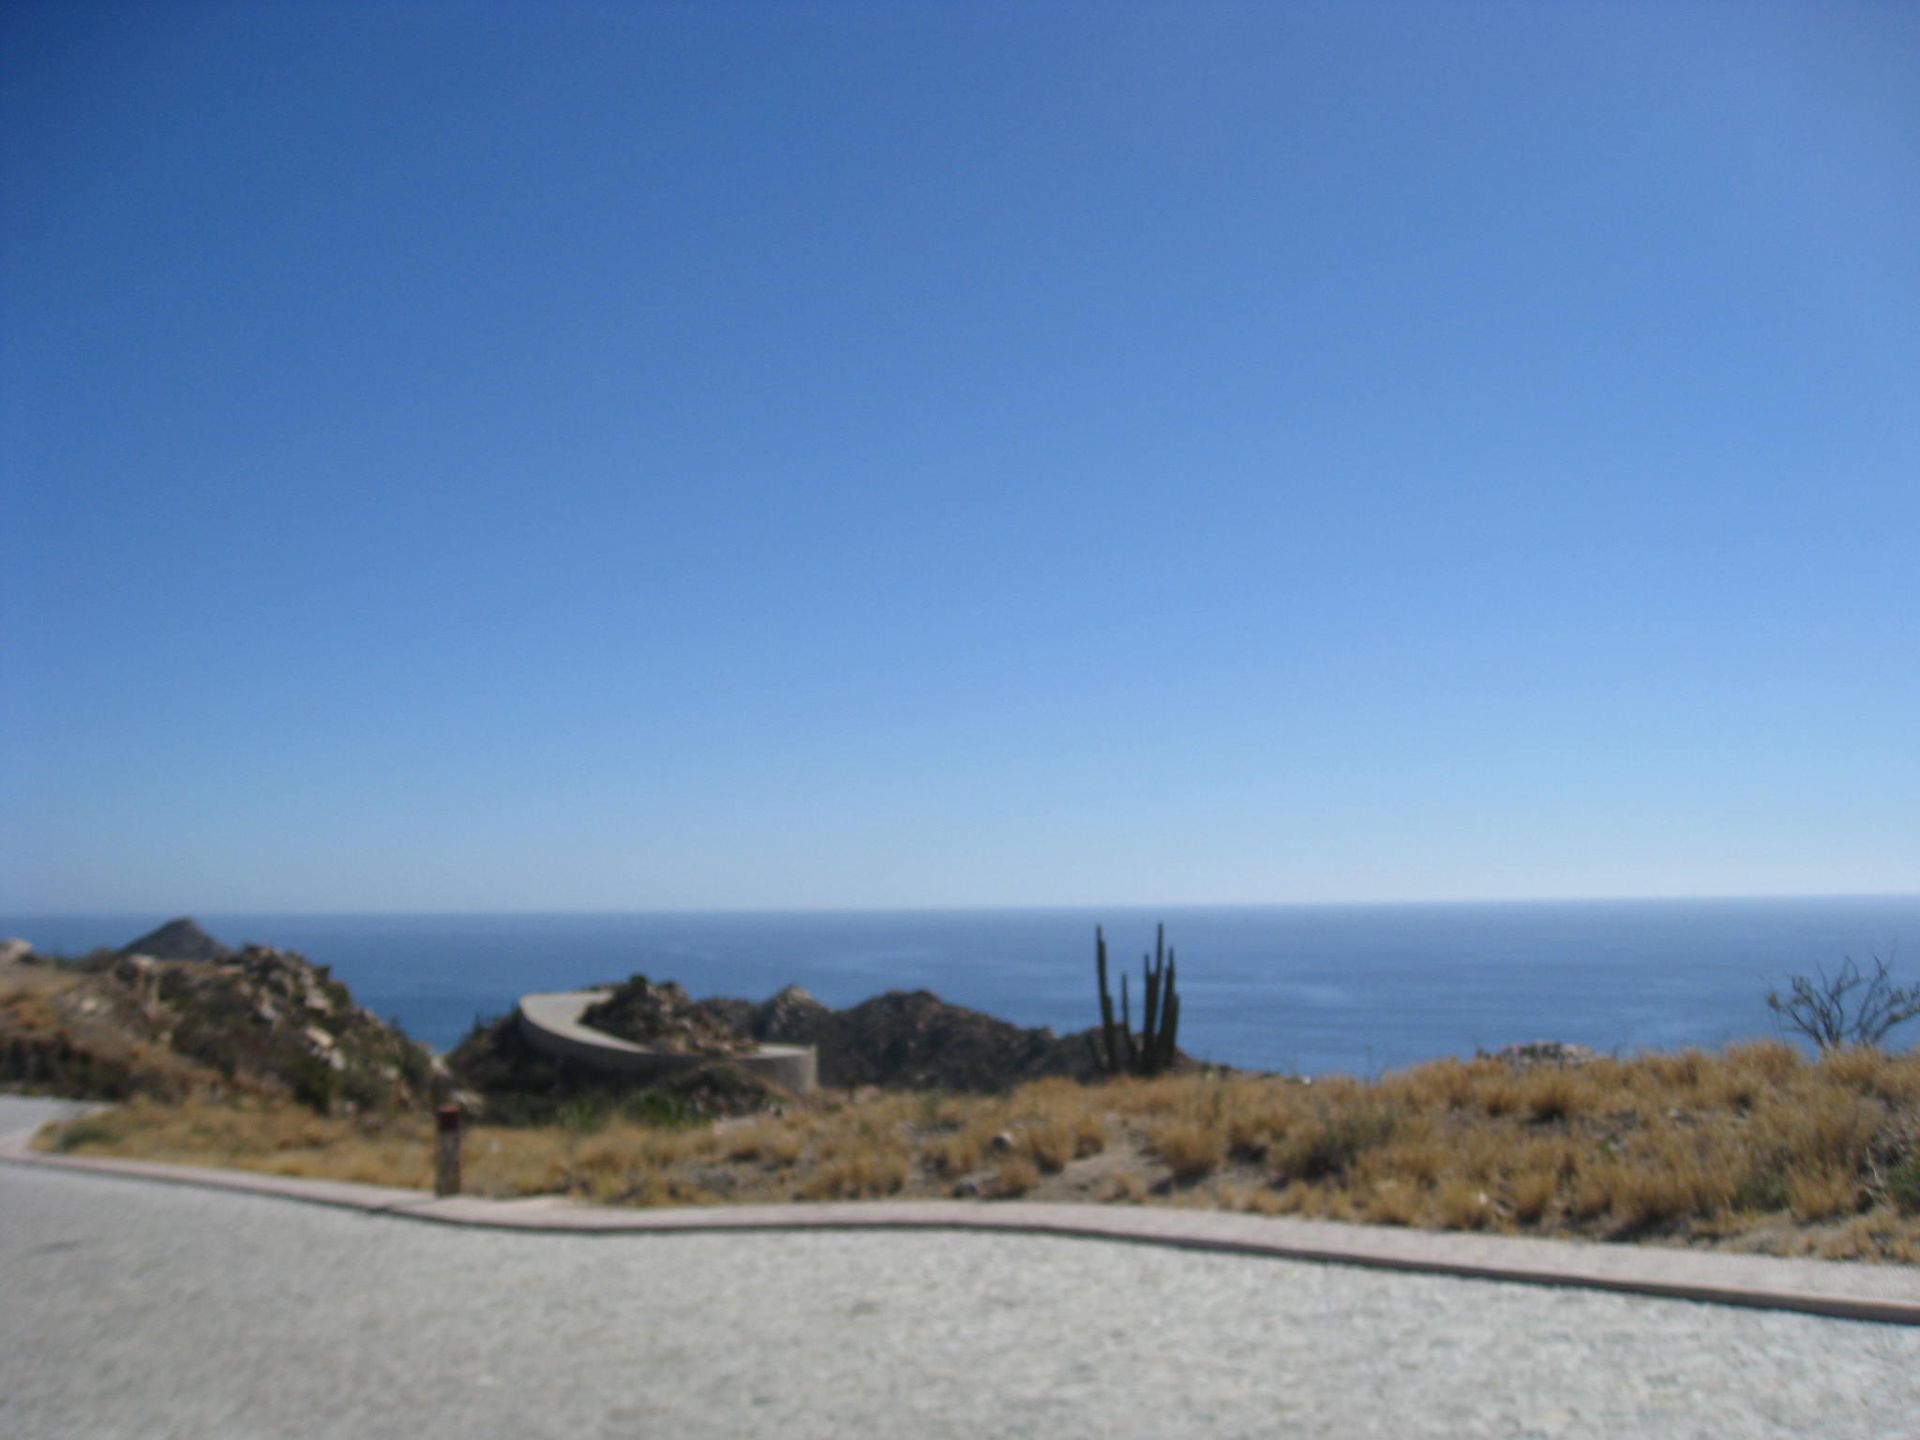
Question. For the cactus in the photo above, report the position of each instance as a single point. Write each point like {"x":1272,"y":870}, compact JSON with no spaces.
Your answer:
{"x":1106,"y":1002}
{"x":1158,"y":1044}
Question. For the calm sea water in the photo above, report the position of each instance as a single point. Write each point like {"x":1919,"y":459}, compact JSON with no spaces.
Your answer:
{"x":1315,"y":989}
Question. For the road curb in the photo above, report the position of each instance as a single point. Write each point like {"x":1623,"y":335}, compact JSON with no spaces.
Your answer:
{"x":1885,"y":1294}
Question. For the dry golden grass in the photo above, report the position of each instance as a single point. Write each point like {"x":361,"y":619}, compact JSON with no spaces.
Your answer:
{"x":1758,"y":1147}
{"x":1015,"y":1175}
{"x":251,"y":1134}
{"x":1191,"y":1149}
{"x":769,"y":1143}
{"x":1050,"y":1144}
{"x":1531,"y":1194}
{"x":1394,"y":1202}
{"x":1461,"y":1205}
{"x":960,"y":1153}
{"x":858,"y":1176}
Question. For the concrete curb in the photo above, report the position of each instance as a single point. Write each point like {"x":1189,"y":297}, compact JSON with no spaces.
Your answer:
{"x":1887,"y":1294}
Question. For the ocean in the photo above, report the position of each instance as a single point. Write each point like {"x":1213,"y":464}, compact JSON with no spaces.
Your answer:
{"x":1310,"y":989}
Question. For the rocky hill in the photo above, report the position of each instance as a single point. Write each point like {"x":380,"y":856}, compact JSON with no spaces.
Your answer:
{"x":900,"y":1040}
{"x":181,"y":939}
{"x":256,"y":1020}
{"x":911,"y":1040}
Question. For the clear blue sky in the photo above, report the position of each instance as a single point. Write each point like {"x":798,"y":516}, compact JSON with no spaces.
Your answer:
{"x":630,"y":456}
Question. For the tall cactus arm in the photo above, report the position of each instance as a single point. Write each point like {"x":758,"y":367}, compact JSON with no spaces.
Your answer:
{"x":1150,"y":1020}
{"x":1106,"y":1002}
{"x":1169,"y":1038}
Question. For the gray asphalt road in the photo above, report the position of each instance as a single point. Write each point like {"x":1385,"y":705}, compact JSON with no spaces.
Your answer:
{"x":148,"y":1310}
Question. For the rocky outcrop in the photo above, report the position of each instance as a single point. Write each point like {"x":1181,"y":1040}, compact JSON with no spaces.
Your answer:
{"x":915,"y":1040}
{"x":663,"y":1017}
{"x":259,"y":1019}
{"x":181,"y":939}
{"x":1530,"y":1053}
{"x":792,"y":1017}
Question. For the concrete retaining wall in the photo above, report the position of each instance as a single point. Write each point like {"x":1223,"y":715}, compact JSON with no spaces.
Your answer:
{"x":551,"y":1025}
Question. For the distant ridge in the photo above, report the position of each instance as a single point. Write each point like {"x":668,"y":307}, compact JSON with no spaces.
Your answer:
{"x":181,"y":939}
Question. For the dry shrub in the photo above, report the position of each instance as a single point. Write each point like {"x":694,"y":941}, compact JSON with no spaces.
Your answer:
{"x":1155,"y":1099}
{"x":1015,"y":1175}
{"x":655,"y":1190}
{"x":1642,"y":1198}
{"x":1675,"y":1178}
{"x":1089,"y":1135}
{"x":1329,"y":1143}
{"x":1393,"y":1204}
{"x":1772,"y":1062}
{"x":1729,"y":1087}
{"x":1256,"y":1118}
{"x":1590,"y":1195}
{"x":858,"y":1176}
{"x":1441,"y":1084}
{"x":1679,"y":1071}
{"x":1872,"y":1237}
{"x":1868,"y":1071}
{"x":1484,"y":1153}
{"x":501,"y":1163}
{"x":771,"y":1144}
{"x":1055,"y":1098}
{"x":1191,"y":1149}
{"x":1461,"y":1205}
{"x":1554,"y":1094}
{"x":1822,"y":1194}
{"x":1418,"y":1160}
{"x":271,"y":1136}
{"x":1502,"y":1096}
{"x":1531,"y":1194}
{"x":1050,"y":1144}
{"x":1263,"y":1201}
{"x":1853,"y":1067}
{"x":1819,"y":1127}
{"x":960,"y":1153}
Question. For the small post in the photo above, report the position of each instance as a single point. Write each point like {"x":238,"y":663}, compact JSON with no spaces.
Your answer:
{"x":446,"y":1160}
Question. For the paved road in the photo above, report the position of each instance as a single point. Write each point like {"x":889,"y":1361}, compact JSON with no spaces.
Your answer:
{"x":149,"y":1310}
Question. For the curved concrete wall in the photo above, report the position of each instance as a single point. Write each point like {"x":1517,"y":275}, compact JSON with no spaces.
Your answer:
{"x":551,"y":1024}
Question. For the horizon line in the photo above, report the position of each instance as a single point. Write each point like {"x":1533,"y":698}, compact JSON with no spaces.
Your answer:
{"x":989,"y":908}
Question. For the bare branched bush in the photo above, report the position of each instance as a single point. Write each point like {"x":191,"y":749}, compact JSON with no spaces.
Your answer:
{"x":1849,"y":1007}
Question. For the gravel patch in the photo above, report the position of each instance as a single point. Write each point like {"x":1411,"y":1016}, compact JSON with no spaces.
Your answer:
{"x":147,"y":1310}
